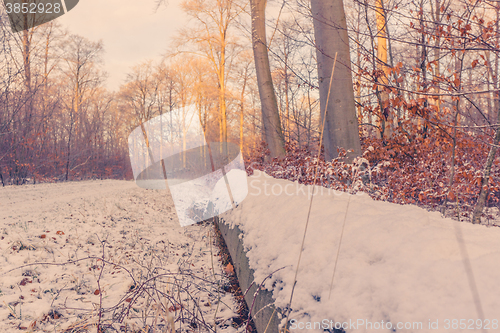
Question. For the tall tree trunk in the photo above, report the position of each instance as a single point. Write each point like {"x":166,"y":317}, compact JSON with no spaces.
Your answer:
{"x":386,"y":117}
{"x":26,"y":60}
{"x":68,"y":157}
{"x":483,"y":194}
{"x":397,"y":113}
{"x":287,"y":100}
{"x":270,"y":114}
{"x":242,"y":107}
{"x":459,"y":67}
{"x":358,"y":71}
{"x":437,"y":54}
{"x":496,"y":100}
{"x":422,"y":63}
{"x":222,"y":93}
{"x":330,"y":31}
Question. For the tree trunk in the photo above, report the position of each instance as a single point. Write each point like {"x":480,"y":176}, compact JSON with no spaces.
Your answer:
{"x":358,"y":72}
{"x":483,"y":194}
{"x":437,"y":54}
{"x":222,"y":94}
{"x":242,"y":107}
{"x":27,"y":60}
{"x":270,"y":114}
{"x":66,"y":177}
{"x":330,"y":31}
{"x":386,"y":117}
{"x":496,"y":100}
{"x":422,"y":63}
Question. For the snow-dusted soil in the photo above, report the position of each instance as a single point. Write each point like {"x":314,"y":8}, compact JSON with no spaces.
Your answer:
{"x":75,"y":254}
{"x":399,"y":269}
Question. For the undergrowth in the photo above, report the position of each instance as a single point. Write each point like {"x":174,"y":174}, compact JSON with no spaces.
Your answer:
{"x":404,"y":170}
{"x":157,"y":299}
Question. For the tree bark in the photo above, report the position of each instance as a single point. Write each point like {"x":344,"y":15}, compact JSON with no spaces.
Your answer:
{"x":330,"y":31}
{"x":483,"y":194}
{"x":242,"y":107}
{"x":27,"y":60}
{"x":437,"y":53}
{"x":270,"y":114}
{"x":386,"y":116}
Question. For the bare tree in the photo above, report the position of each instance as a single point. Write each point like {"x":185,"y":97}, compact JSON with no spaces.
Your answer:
{"x":212,"y":36}
{"x":341,"y":125}
{"x":386,"y":117}
{"x":82,"y":57}
{"x":269,"y":105}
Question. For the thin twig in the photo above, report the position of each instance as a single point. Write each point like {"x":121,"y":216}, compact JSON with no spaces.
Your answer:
{"x":255,"y":296}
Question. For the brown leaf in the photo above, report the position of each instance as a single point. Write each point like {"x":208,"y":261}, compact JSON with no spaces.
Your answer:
{"x":24,"y":281}
{"x":175,"y":307}
{"x":229,"y":269}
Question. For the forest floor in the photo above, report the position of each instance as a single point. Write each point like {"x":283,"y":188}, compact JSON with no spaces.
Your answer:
{"x":78,"y":254}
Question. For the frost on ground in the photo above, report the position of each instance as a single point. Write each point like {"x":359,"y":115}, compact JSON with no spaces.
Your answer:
{"x":77,"y":254}
{"x":399,"y":267}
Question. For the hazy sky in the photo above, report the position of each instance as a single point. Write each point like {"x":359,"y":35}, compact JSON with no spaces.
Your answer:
{"x":131,"y":31}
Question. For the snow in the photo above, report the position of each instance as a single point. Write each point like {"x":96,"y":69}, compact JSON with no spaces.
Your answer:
{"x":51,"y":224}
{"x":397,"y":264}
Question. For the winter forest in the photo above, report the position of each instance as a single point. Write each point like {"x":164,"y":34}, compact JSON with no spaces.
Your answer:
{"x":412,"y":108}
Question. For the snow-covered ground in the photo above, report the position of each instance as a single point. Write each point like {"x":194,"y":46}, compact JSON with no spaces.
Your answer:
{"x":154,"y":270}
{"x":399,"y":268}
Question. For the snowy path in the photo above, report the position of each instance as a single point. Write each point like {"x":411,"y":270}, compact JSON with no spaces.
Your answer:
{"x":153,"y":269}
